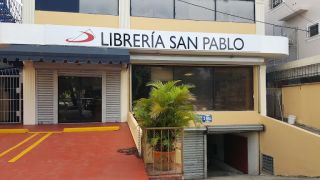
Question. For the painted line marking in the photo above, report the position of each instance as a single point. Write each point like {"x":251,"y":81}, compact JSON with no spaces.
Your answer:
{"x":45,"y":132}
{"x":92,"y":129}
{"x":29,"y":148}
{"x":14,"y":130}
{"x":19,"y":144}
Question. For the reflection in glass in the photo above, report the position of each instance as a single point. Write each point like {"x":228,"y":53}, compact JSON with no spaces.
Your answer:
{"x":189,"y":11}
{"x":242,"y":8}
{"x":79,"y":99}
{"x":216,"y":88}
{"x":152,"y":8}
{"x":202,"y":79}
{"x":99,"y":7}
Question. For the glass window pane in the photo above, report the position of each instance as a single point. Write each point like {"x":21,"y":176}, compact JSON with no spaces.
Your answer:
{"x":99,"y":6}
{"x":57,"y":5}
{"x":141,"y":75}
{"x":189,"y":11}
{"x":233,"y":88}
{"x":242,"y":8}
{"x":152,"y":8}
{"x":202,"y":79}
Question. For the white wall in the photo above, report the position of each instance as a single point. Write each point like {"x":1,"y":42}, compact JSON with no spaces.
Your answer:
{"x":306,"y":46}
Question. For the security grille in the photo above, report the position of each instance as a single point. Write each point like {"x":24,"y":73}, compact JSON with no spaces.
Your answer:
{"x":10,"y":96}
{"x":267,"y":164}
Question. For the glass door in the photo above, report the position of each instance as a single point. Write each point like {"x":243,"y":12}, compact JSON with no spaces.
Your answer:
{"x":79,"y":99}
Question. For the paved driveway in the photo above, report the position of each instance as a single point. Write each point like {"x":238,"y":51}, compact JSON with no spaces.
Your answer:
{"x":83,"y":155}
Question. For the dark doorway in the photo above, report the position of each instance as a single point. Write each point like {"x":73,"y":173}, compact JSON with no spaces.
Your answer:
{"x":227,"y":155}
{"x":79,"y":99}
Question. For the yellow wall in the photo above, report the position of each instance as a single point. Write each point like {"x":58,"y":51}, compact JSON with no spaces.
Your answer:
{"x":191,"y":26}
{"x":231,"y":117}
{"x":76,"y":19}
{"x":304,"y":102}
{"x":296,"y":152}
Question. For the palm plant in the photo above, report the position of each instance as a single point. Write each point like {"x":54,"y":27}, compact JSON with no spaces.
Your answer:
{"x":168,"y":105}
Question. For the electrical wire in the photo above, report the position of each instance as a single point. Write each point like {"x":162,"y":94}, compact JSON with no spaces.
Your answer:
{"x":245,"y":18}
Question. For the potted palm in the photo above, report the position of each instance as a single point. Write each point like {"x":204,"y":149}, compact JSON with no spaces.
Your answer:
{"x":169,"y":106}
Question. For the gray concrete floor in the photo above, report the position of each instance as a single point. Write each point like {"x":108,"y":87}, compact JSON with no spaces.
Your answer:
{"x":261,"y":177}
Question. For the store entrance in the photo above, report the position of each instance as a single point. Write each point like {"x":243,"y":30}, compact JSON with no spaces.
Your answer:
{"x":79,"y":99}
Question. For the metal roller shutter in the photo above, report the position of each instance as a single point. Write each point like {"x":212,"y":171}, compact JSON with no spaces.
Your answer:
{"x":194,"y":152}
{"x":113,"y":86}
{"x":45,"y":96}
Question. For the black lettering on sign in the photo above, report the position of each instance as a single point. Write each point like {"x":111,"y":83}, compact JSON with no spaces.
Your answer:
{"x":145,"y":39}
{"x":126,"y":39}
{"x":159,"y":42}
{"x":103,"y":43}
{"x":136,"y":40}
{"x":222,"y":44}
{"x":193,"y":43}
{"x":213,"y":44}
{"x":173,"y":43}
{"x":238,"y":43}
{"x":181,"y":43}
{"x":206,"y":41}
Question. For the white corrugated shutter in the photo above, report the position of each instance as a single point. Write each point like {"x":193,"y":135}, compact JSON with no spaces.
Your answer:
{"x":194,"y":154}
{"x":45,"y":96}
{"x":113,"y":86}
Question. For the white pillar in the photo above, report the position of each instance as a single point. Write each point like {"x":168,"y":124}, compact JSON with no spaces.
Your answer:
{"x":260,"y":16}
{"x":263,"y":90}
{"x":28,"y":8}
{"x":124,"y":93}
{"x":29,"y":93}
{"x":124,"y":14}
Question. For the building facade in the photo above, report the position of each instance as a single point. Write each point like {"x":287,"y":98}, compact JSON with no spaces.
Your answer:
{"x":88,"y":61}
{"x":294,"y":81}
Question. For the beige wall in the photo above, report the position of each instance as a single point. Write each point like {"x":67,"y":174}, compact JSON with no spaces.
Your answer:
{"x":304,"y":102}
{"x":76,"y":19}
{"x":191,"y":26}
{"x":295,"y":151}
{"x":231,"y":117}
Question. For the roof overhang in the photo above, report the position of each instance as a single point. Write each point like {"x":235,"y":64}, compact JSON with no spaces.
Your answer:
{"x":223,"y":129}
{"x":66,"y":54}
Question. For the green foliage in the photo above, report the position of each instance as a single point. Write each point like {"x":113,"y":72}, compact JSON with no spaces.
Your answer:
{"x":168,"y":105}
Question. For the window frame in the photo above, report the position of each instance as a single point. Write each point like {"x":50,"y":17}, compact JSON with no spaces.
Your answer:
{"x":252,"y":87}
{"x":118,"y":9}
{"x":309,"y":30}
{"x":273,"y":5}
{"x":215,"y":13}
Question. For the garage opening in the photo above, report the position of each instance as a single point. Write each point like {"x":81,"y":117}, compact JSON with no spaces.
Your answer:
{"x":79,"y":99}
{"x":232,"y":154}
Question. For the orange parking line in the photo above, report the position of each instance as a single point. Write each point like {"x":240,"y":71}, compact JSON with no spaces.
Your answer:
{"x":29,"y":148}
{"x":19,"y":144}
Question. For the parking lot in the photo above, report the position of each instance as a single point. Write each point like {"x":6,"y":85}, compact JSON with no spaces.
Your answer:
{"x":76,"y":155}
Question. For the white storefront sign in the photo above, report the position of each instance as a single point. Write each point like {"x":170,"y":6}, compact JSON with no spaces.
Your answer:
{"x":141,"y":39}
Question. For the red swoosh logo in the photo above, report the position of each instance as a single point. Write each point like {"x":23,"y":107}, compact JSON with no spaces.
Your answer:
{"x":89,"y":38}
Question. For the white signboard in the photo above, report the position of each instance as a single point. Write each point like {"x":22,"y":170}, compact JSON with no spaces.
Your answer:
{"x":141,"y":39}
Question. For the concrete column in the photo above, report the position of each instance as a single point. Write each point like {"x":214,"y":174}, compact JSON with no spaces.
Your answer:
{"x":29,"y":93}
{"x":263,"y":90}
{"x":28,"y":8}
{"x":124,"y":93}
{"x":124,"y":14}
{"x":260,"y":16}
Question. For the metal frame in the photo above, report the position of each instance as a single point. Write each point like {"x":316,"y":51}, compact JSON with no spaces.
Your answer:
{"x":10,"y":96}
